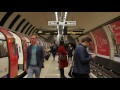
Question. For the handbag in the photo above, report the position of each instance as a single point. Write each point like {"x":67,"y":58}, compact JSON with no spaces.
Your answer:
{"x":47,"y":56}
{"x":62,"y":57}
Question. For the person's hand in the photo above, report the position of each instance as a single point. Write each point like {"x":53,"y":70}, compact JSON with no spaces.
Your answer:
{"x":93,"y":56}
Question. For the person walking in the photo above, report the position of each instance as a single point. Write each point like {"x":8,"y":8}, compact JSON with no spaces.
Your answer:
{"x":54,"y":50}
{"x":35,"y":58}
{"x":62,"y":57}
{"x":70,"y":53}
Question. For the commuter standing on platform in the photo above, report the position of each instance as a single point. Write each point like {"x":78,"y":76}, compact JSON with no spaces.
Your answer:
{"x":35,"y":58}
{"x":81,"y":67}
{"x":62,"y":63}
{"x":54,"y":50}
{"x":70,"y":53}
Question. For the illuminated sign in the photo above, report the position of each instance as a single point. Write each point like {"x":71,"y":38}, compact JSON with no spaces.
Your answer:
{"x":66,"y":23}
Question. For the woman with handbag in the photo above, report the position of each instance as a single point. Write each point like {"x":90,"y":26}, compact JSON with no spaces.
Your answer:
{"x":63,"y":62}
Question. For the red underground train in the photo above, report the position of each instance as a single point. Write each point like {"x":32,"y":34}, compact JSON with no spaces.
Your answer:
{"x":13,"y":53}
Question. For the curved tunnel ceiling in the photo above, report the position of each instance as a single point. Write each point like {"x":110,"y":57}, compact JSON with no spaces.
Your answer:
{"x":39,"y":20}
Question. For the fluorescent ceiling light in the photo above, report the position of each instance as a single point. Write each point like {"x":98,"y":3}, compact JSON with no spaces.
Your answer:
{"x":47,"y":33}
{"x":39,"y":31}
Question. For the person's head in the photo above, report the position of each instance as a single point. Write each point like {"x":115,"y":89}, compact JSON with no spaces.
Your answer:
{"x":33,"y":39}
{"x":86,"y":41}
{"x":54,"y":42}
{"x":62,"y":43}
{"x":69,"y":45}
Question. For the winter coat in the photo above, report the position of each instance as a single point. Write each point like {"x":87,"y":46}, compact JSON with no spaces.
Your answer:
{"x":62,"y":63}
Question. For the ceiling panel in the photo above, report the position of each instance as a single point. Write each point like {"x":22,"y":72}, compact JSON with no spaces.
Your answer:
{"x":84,"y":20}
{"x":39,"y":19}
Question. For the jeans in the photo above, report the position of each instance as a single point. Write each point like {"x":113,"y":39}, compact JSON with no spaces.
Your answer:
{"x":34,"y":69}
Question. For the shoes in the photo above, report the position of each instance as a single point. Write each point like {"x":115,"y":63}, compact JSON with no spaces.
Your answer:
{"x":62,"y":77}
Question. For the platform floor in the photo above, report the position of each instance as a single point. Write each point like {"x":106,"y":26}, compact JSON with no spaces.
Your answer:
{"x":51,"y":69}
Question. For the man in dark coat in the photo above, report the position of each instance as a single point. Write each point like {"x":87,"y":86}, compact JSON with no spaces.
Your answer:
{"x":35,"y":58}
{"x":81,"y":67}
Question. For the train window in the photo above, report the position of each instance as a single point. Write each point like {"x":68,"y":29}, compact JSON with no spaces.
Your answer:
{"x":14,"y":47}
{"x":3,"y":48}
{"x":24,"y":47}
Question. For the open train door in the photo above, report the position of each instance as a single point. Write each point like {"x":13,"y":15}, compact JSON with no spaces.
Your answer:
{"x":24,"y":48}
{"x":19,"y":52}
{"x":12,"y":62}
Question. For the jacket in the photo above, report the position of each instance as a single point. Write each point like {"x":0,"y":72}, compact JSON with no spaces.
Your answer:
{"x":39,"y":56}
{"x":62,"y":63}
{"x":81,"y":60}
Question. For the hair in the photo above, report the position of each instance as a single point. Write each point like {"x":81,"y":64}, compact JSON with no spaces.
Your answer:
{"x":34,"y":35}
{"x":62,"y":43}
{"x":88,"y":39}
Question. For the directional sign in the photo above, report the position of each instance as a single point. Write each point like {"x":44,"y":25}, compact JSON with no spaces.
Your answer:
{"x":70,"y":23}
{"x":53,"y":23}
{"x":66,"y":23}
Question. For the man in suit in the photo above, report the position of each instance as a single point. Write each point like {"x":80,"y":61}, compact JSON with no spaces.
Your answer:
{"x":35,"y":58}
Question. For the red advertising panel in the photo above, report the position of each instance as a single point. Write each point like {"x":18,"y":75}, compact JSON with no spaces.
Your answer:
{"x":116,"y":30}
{"x":92,"y":46}
{"x":101,"y":41}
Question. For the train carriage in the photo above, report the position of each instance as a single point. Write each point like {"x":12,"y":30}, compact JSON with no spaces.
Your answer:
{"x":8,"y":58}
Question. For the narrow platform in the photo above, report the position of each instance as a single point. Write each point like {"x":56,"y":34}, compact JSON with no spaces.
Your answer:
{"x":51,"y":69}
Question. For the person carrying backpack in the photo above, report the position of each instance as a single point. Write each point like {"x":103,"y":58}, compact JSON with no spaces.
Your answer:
{"x":53,"y":50}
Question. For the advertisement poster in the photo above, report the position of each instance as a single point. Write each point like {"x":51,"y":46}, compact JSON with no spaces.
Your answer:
{"x":116,"y":30}
{"x":91,"y":48}
{"x":116,"y":37}
{"x":101,"y":42}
